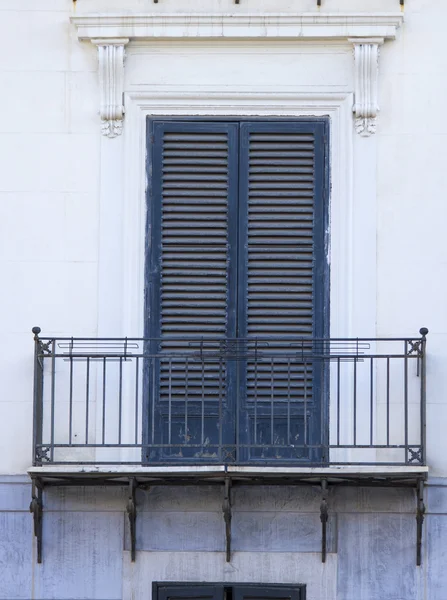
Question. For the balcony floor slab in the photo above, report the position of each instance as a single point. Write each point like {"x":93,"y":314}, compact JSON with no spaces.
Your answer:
{"x":158,"y":475}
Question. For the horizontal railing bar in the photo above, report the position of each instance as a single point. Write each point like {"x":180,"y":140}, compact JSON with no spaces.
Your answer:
{"x":248,"y":446}
{"x":217,"y":339}
{"x":297,"y":463}
{"x":200,"y":357}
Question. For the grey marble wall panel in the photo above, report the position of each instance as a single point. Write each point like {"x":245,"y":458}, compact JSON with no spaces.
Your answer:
{"x":372,"y":500}
{"x":23,"y":478}
{"x":82,"y":556}
{"x":16,"y":563}
{"x":74,"y":498}
{"x":280,"y":532}
{"x":440,"y":481}
{"x":251,"y":532}
{"x":436,"y":498}
{"x":244,"y":498}
{"x":377,"y":558}
{"x":293,"y":498}
{"x":277,"y":498}
{"x":179,"y":531}
{"x":436,"y":556}
{"x":15,"y":496}
{"x":181,"y":498}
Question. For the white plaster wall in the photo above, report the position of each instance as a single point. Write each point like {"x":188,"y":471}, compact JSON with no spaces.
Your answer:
{"x":61,"y":233}
{"x":412,"y":212}
{"x":49,"y":182}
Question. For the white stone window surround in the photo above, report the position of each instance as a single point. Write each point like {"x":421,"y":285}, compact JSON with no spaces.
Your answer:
{"x":353,"y":285}
{"x":352,"y":195}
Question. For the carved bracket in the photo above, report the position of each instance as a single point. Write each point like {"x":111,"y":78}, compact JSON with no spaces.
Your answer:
{"x":111,"y":83}
{"x":366,"y":107}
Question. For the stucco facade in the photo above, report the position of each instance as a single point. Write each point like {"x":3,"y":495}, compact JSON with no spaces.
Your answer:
{"x":72,"y":261}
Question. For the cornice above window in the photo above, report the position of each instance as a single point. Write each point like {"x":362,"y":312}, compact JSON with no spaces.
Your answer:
{"x":111,"y":32}
{"x":318,"y":26}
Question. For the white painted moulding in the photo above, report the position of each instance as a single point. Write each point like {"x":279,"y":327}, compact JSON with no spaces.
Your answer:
{"x":111,"y":84}
{"x":243,"y":25}
{"x":366,"y":64}
{"x":111,"y":32}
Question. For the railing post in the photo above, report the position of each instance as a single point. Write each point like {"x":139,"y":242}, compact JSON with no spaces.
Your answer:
{"x":37,"y":395}
{"x":423,"y":331}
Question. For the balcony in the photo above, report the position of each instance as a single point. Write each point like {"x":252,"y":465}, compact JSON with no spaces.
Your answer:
{"x":229,"y":412}
{"x":235,"y":405}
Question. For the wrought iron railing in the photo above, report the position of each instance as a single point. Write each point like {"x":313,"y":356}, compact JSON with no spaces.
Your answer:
{"x":282,"y":401}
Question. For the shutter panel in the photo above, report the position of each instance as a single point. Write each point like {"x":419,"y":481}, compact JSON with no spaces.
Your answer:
{"x":194,"y":200}
{"x":281,"y":195}
{"x":260,"y":592}
{"x":237,"y":219}
{"x":189,"y":592}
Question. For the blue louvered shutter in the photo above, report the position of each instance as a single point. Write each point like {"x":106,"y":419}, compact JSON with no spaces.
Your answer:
{"x":192,"y":283}
{"x":237,"y":222}
{"x":268,"y":592}
{"x":216,"y":591}
{"x":188,"y":592}
{"x":282,"y":285}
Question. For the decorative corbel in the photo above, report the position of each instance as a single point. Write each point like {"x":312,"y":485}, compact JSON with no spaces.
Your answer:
{"x":366,"y":107}
{"x":111,"y":84}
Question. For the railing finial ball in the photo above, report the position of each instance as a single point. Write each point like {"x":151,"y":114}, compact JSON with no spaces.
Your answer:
{"x":36,"y":330}
{"x":423,"y":331}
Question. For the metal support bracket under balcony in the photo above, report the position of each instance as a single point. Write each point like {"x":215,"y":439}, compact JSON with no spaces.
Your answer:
{"x":152,"y":476}
{"x":324,"y":516}
{"x":131,"y":509}
{"x":420,"y":515}
{"x":36,"y":508}
{"x":226,"y":507}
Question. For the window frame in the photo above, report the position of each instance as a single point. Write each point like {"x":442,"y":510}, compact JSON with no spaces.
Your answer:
{"x":182,"y":589}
